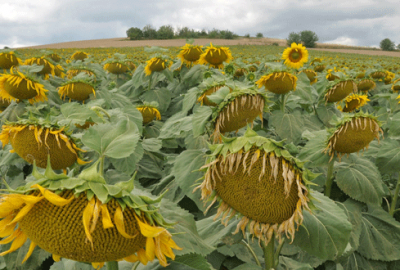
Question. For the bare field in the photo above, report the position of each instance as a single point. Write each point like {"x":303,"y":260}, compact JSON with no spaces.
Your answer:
{"x":124,"y":42}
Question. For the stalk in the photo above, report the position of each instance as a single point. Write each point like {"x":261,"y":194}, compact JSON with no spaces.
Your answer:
{"x":329,"y":179}
{"x":269,"y":255}
{"x":102,"y":165}
{"x":278,"y":251}
{"x":151,"y":76}
{"x":283,"y":101}
{"x":251,"y":251}
{"x":112,"y":265}
{"x":395,"y":197}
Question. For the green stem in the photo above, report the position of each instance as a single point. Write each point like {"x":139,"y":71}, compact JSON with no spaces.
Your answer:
{"x":269,"y":255}
{"x":395,"y":197}
{"x":251,"y":251}
{"x":136,"y":266}
{"x":112,"y":265}
{"x":102,"y":165}
{"x":329,"y":179}
{"x":283,"y":101}
{"x":151,"y":75}
{"x":278,"y":251}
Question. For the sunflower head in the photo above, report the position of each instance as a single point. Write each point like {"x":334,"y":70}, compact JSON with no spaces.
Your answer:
{"x":19,"y":86}
{"x":4,"y":103}
{"x":319,"y":68}
{"x":55,"y":57}
{"x":156,"y":64}
{"x":77,"y":89}
{"x":215,"y":56}
{"x":116,"y":67}
{"x":250,"y":76}
{"x":34,"y":140}
{"x":389,"y":77}
{"x":353,"y":102}
{"x":84,"y":219}
{"x":378,"y":75}
{"x":229,"y":69}
{"x":190,"y":54}
{"x":59,"y":71}
{"x":240,"y":72}
{"x":352,"y":133}
{"x":331,"y":77}
{"x":338,"y":91}
{"x":295,"y":56}
{"x":209,"y":86}
{"x":80,"y":69}
{"x":258,"y":181}
{"x":8,"y":59}
{"x":396,"y":86}
{"x":79,"y":55}
{"x":48,"y":67}
{"x":279,"y":82}
{"x":149,"y":111}
{"x":311,"y":75}
{"x":366,"y":85}
{"x":131,"y":65}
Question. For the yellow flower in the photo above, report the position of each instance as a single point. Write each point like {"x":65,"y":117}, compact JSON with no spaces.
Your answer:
{"x":48,"y":68}
{"x":9,"y":60}
{"x":149,"y":113}
{"x":116,"y":68}
{"x":155,"y":64}
{"x":79,"y":55}
{"x":190,"y":54}
{"x":77,"y":90}
{"x":215,"y":56}
{"x":295,"y":56}
{"x":354,"y":102}
{"x":278,"y":82}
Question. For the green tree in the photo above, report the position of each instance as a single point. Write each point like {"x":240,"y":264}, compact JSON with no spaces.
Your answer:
{"x":149,"y":32}
{"x":387,"y":45}
{"x":165,"y":32}
{"x":259,"y":35}
{"x":308,"y":38}
{"x":134,"y":33}
{"x":398,"y":46}
{"x":293,"y":37}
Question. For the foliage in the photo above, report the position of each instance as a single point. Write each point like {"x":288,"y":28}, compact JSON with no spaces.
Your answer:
{"x":134,"y":33}
{"x":293,"y":37}
{"x":259,"y":35}
{"x":165,"y":32}
{"x":149,"y":32}
{"x":387,"y":45}
{"x":308,"y":38}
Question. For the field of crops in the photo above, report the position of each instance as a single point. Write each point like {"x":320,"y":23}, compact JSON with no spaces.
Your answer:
{"x":199,"y":158}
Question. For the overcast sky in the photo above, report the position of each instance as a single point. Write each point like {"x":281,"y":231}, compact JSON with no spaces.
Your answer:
{"x":349,"y":22}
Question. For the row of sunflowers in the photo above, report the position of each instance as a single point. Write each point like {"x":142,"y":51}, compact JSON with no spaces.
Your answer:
{"x":110,"y":161}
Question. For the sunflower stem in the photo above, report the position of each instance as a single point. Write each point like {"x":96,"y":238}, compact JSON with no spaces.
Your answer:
{"x":269,"y":254}
{"x":395,"y":197}
{"x":102,"y":165}
{"x":151,"y":76}
{"x":112,"y":265}
{"x":283,"y":101}
{"x":278,"y":251}
{"x":136,"y":266}
{"x":329,"y":179}
{"x":251,"y":251}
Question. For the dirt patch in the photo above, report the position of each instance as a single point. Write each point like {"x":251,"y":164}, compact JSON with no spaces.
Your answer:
{"x":124,"y":42}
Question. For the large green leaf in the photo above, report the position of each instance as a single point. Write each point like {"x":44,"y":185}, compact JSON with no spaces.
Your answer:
{"x":189,"y":262}
{"x":201,"y":117}
{"x":213,"y":232}
{"x":162,"y":96}
{"x":65,"y":264}
{"x":75,"y":113}
{"x":325,"y":232}
{"x":288,"y":263}
{"x":175,"y":126}
{"x":388,"y":157}
{"x":380,"y":235}
{"x":360,"y":179}
{"x":313,"y":152}
{"x":288,"y":126}
{"x":394,"y":126}
{"x":248,"y":266}
{"x":113,"y":140}
{"x":357,"y":262}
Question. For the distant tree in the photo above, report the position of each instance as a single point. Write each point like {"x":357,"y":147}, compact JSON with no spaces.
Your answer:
{"x":247,"y":35}
{"x":215,"y":33}
{"x":398,"y":46}
{"x":387,"y":45}
{"x":149,"y":32}
{"x":185,"y":32}
{"x":134,"y":33}
{"x":293,"y":37}
{"x":226,"y":34}
{"x":259,"y":35}
{"x":203,"y":33}
{"x":165,"y":32}
{"x":308,"y":38}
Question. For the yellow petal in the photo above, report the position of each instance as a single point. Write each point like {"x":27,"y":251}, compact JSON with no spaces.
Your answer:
{"x":96,"y":213}
{"x":87,"y":216}
{"x":142,"y":256}
{"x":52,"y":197}
{"x":119,"y":222}
{"x":150,"y":248}
{"x":17,"y":243}
{"x":132,"y":258}
{"x":106,"y":219}
{"x":56,"y":258}
{"x":149,"y":231}
{"x":25,"y":210}
{"x":97,"y":266}
{"x":10,"y":238}
{"x":31,"y":248}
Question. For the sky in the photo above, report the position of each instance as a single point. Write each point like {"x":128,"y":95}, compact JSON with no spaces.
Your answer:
{"x":347,"y":22}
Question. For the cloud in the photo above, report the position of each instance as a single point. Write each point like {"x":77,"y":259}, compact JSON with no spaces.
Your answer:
{"x":344,"y":41}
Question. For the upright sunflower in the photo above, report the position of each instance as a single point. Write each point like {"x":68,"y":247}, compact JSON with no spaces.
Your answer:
{"x":215,"y":56}
{"x":156,"y":64}
{"x":278,"y":82}
{"x":258,"y":181}
{"x":20,"y":86}
{"x":190,"y":54}
{"x":295,"y":56}
{"x":35,"y":141}
{"x":8,"y":59}
{"x":84,"y":219}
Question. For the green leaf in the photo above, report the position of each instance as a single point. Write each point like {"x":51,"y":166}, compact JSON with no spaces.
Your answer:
{"x":326,"y":231}
{"x":175,"y":126}
{"x":162,"y":96}
{"x":288,"y":263}
{"x":357,"y":262}
{"x":288,"y":126}
{"x":360,"y":179}
{"x":201,"y":117}
{"x":189,"y":262}
{"x":152,"y":144}
{"x":313,"y":152}
{"x":248,"y":266}
{"x":388,"y":157}
{"x":380,"y":235}
{"x":189,"y":100}
{"x":213,"y":232}
{"x":66,"y":264}
{"x":112,"y":140}
{"x":75,"y":113}
{"x":325,"y":113}
{"x":218,"y":96}
{"x":394,"y":126}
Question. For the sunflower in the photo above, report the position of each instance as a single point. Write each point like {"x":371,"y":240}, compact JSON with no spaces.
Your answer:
{"x":131,"y":65}
{"x":9,"y":60}
{"x":366,"y":85}
{"x":34,"y":142}
{"x":76,"y":89}
{"x":208,"y":87}
{"x":377,"y":75}
{"x":48,"y":67}
{"x":84,"y":219}
{"x":360,"y":75}
{"x":79,"y":55}
{"x":215,"y":56}
{"x":340,"y":90}
{"x":331,"y":77}
{"x":319,"y":68}
{"x":75,"y":71}
{"x":240,"y":72}
{"x":190,"y":54}
{"x":354,"y":102}
{"x":251,"y":76}
{"x":55,"y":57}
{"x":4,"y":103}
{"x":116,"y":67}
{"x":396,"y":85}
{"x":156,"y":64}
{"x":59,"y":71}
{"x":352,"y":134}
{"x":389,"y":77}
{"x":311,"y":75}
{"x":279,"y":82}
{"x":295,"y":56}
{"x":255,"y":179}
{"x":19,"y":86}
{"x":149,"y":112}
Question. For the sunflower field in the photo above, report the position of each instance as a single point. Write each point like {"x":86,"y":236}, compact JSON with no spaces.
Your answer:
{"x":199,"y":158}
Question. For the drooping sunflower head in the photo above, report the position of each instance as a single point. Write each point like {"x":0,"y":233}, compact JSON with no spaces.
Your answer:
{"x":278,"y":82}
{"x":84,"y":219}
{"x":389,"y":77}
{"x":55,"y":57}
{"x":238,"y":109}
{"x":311,"y":75}
{"x":48,"y":67}
{"x":116,"y":67}
{"x":378,"y":75}
{"x":79,"y":55}
{"x":239,"y":72}
{"x":215,"y":56}
{"x":74,"y":71}
{"x":149,"y":111}
{"x":352,"y":133}
{"x":131,"y":65}
{"x":156,"y":64}
{"x":396,"y":86}
{"x":190,"y":54}
{"x":319,"y":68}
{"x":59,"y":71}
{"x":330,"y":76}
{"x":339,"y":90}
{"x":4,"y":103}
{"x":78,"y":88}
{"x":295,"y":56}
{"x":353,"y":102}
{"x":209,"y":86}
{"x":35,"y":140}
{"x":8,"y":59}
{"x":366,"y":85}
{"x":19,"y":86}
{"x":258,"y":181}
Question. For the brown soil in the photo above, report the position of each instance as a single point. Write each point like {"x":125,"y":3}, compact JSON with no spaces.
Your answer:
{"x":124,"y":42}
